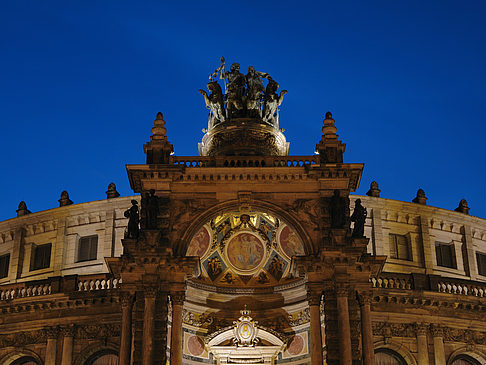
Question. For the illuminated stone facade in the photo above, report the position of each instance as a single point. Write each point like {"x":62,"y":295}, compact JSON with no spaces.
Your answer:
{"x":257,"y":240}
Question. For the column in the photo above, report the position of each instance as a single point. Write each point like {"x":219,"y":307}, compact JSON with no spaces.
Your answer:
{"x":51,"y":348}
{"x":176,"y":334}
{"x":344,"y":329}
{"x":366,"y":329}
{"x":314,"y":299}
{"x":148,"y":326}
{"x":438,"y":336}
{"x":422,"y":345}
{"x":67,"y":345}
{"x":126,"y":328}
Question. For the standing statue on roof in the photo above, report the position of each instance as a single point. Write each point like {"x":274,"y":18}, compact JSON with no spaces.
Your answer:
{"x":359,"y":219}
{"x":271,"y":102}
{"x":235,"y":91}
{"x":254,"y":90}
{"x":214,"y":102}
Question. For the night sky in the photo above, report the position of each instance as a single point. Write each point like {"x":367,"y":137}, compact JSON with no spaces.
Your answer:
{"x":82,"y":81}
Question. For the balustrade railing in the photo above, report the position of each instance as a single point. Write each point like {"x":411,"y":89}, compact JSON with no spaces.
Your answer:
{"x":392,"y":281}
{"x":58,"y":284}
{"x":244,"y":161}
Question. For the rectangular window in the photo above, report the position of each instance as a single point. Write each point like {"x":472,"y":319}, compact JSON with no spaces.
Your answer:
{"x":400,"y":247}
{"x":41,"y":257}
{"x":4,"y":263}
{"x":87,"y":248}
{"x":445,"y":255}
{"x":481,"y":260}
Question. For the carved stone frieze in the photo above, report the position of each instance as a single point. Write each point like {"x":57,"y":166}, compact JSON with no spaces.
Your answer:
{"x":97,"y":331}
{"x":23,"y":338}
{"x":296,"y":319}
{"x":387,"y":330}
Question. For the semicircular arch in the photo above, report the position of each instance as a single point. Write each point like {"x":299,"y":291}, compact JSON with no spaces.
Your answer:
{"x":398,"y":348}
{"x":94,"y":349}
{"x":474,"y":354}
{"x":233,"y":205}
{"x":18,"y":354}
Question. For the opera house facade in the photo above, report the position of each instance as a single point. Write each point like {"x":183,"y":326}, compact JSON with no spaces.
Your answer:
{"x":243,"y":255}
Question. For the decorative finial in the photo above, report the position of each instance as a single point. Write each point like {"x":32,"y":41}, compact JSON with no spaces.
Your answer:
{"x":158,"y":149}
{"x":374,"y":190}
{"x":420,"y":198}
{"x":111,"y":192}
{"x":330,"y":148}
{"x":159,"y":130}
{"x":462,"y":208}
{"x":65,"y":199}
{"x":22,"y":210}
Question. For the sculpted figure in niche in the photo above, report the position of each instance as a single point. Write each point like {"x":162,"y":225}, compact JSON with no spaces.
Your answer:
{"x":254,"y":91}
{"x":133,"y":221}
{"x":214,"y":101}
{"x":152,"y":210}
{"x":272,"y":101}
{"x":359,"y":219}
{"x":236,"y":90}
{"x":337,"y":209}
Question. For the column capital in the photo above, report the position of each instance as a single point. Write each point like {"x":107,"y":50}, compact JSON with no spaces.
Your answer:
{"x":364,"y":298}
{"x":314,"y":293}
{"x":68,"y":331}
{"x":177,"y":298}
{"x":437,"y":330}
{"x":126,"y":299}
{"x":150,"y":292}
{"x":51,"y":332}
{"x":421,"y":328}
{"x":342,"y":289}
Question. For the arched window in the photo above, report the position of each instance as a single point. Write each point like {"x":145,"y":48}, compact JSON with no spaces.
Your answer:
{"x":25,"y":360}
{"x":465,"y":360}
{"x":105,"y":357}
{"x":388,"y":357}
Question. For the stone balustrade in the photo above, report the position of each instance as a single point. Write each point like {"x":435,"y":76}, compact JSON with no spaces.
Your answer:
{"x":242,"y":161}
{"x":55,"y":285}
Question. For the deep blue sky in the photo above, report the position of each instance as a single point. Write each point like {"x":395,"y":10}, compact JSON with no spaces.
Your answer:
{"x":82,"y":81}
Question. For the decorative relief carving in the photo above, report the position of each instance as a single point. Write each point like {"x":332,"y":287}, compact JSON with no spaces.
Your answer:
{"x":23,"y":338}
{"x":97,"y":331}
{"x":296,"y":319}
{"x":196,"y":319}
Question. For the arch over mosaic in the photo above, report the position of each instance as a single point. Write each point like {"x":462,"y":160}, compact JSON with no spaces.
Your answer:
{"x":245,"y":249}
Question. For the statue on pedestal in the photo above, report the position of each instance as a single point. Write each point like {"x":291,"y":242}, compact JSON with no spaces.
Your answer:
{"x":214,"y":101}
{"x":235,"y":90}
{"x":133,"y":221}
{"x":272,"y":101}
{"x":359,"y":219}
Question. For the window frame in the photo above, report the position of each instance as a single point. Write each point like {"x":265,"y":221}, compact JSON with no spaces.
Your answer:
{"x":439,"y":258}
{"x":481,"y":268}
{"x":35,"y":253}
{"x":393,"y":248}
{"x":89,"y":256}
{"x":5,"y":274}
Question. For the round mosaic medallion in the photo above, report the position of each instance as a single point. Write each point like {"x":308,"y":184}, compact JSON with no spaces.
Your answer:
{"x":245,"y":251}
{"x":199,"y":243}
{"x":290,"y":242}
{"x":296,"y":345}
{"x":195,"y":346}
